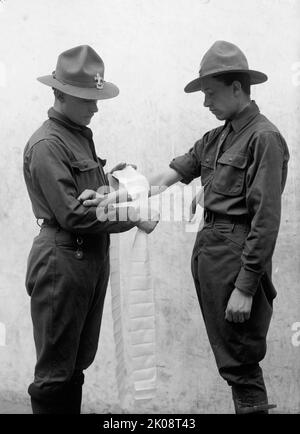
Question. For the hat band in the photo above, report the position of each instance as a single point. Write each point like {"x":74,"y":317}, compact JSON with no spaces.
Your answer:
{"x":98,"y":82}
{"x":241,"y":68}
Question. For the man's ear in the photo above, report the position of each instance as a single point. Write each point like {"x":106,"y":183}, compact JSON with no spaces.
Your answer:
{"x":59,"y":95}
{"x":237,"y":87}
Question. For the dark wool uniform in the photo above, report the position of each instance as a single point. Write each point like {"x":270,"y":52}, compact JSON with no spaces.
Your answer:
{"x":242,"y":201}
{"x":68,"y":265}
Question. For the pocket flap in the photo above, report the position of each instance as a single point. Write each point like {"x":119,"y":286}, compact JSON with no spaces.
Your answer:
{"x":235,"y":160}
{"x":84,"y":165}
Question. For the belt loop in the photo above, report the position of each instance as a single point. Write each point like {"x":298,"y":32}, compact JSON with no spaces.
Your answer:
{"x":232,"y":227}
{"x":212,"y":218}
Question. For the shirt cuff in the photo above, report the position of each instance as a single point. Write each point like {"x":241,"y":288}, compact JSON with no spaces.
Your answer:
{"x":185,"y":178}
{"x":247,"y":281}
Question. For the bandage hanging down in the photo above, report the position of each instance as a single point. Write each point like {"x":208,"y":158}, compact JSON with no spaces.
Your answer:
{"x":135,"y":348}
{"x":116,"y":306}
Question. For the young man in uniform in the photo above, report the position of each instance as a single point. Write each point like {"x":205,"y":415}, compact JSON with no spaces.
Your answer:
{"x":68,"y":265}
{"x":243,"y":168}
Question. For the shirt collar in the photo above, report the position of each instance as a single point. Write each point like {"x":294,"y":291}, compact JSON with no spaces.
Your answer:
{"x":245,"y":116}
{"x":53,"y":114}
{"x":62,"y":119}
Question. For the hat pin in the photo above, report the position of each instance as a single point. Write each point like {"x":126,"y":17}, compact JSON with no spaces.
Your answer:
{"x":99,"y":80}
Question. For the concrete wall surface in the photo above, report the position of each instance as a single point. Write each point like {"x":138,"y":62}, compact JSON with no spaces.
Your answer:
{"x":151,"y":50}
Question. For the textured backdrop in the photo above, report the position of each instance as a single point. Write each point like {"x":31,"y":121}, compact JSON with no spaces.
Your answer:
{"x":151,"y":49}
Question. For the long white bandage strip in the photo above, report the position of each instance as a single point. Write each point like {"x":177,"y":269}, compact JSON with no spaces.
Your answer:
{"x":116,"y":306}
{"x":142,"y":320}
{"x":141,"y":349}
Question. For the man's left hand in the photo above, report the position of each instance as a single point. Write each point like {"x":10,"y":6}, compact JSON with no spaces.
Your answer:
{"x":239,"y":307}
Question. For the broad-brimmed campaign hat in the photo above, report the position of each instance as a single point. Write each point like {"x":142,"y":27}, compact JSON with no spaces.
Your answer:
{"x":222,"y":58}
{"x":80,"y":72}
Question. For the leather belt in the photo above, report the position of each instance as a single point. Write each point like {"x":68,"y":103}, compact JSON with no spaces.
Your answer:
{"x":212,"y":217}
{"x":80,"y":242}
{"x":51,"y":223}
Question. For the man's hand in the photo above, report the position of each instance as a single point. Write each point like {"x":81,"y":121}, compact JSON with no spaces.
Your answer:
{"x":197,"y":199}
{"x":92,"y":198}
{"x":239,"y":307}
{"x":147,"y":226}
{"x":122,"y":166}
{"x":113,"y":213}
{"x":106,"y":209}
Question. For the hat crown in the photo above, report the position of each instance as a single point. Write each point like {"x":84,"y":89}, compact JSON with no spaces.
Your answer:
{"x":80,"y":66}
{"x":223,"y":57}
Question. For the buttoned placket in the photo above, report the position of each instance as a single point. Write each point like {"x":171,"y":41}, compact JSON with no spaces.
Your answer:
{"x":88,"y":134}
{"x":222,"y":139}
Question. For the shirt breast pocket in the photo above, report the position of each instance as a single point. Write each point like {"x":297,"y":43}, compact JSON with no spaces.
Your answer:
{"x":207,"y":169}
{"x":229,"y":178}
{"x":86,"y":173}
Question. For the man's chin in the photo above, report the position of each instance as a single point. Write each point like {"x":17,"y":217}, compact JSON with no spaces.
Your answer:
{"x":86,"y":121}
{"x":219,"y":116}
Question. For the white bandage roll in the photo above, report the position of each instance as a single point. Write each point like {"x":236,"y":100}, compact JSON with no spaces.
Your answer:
{"x":134,"y":328}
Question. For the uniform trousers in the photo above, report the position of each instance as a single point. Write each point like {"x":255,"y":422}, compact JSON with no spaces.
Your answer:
{"x":238,"y":347}
{"x":67,"y":277}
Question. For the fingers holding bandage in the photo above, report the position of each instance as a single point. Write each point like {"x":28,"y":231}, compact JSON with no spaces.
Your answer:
{"x":104,"y":198}
{"x":145,"y":219}
{"x":125,"y":199}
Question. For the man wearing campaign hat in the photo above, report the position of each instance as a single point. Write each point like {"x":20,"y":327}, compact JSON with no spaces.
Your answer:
{"x":68,"y":265}
{"x":243,"y":169}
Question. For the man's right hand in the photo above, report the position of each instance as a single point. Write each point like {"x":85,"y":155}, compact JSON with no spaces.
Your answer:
{"x":106,"y":209}
{"x":93,"y":198}
{"x":90,"y":198}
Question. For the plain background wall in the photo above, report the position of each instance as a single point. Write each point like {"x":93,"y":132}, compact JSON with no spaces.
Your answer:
{"x":151,"y":49}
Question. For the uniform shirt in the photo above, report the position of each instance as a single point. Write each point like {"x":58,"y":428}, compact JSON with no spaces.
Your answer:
{"x":249,"y":178}
{"x":59,"y":163}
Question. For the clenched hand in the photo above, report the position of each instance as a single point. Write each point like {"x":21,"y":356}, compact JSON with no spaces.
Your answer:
{"x":239,"y":307}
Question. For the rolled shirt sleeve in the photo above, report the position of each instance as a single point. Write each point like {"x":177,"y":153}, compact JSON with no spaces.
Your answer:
{"x":265,"y":181}
{"x":189,"y":164}
{"x":51,"y":173}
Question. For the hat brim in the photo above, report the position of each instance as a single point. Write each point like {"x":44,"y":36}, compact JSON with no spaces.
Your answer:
{"x":109,"y":90}
{"x":256,"y":77}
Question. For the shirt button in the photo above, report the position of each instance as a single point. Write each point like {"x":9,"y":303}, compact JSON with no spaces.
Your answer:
{"x":207,"y":160}
{"x":230,"y":159}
